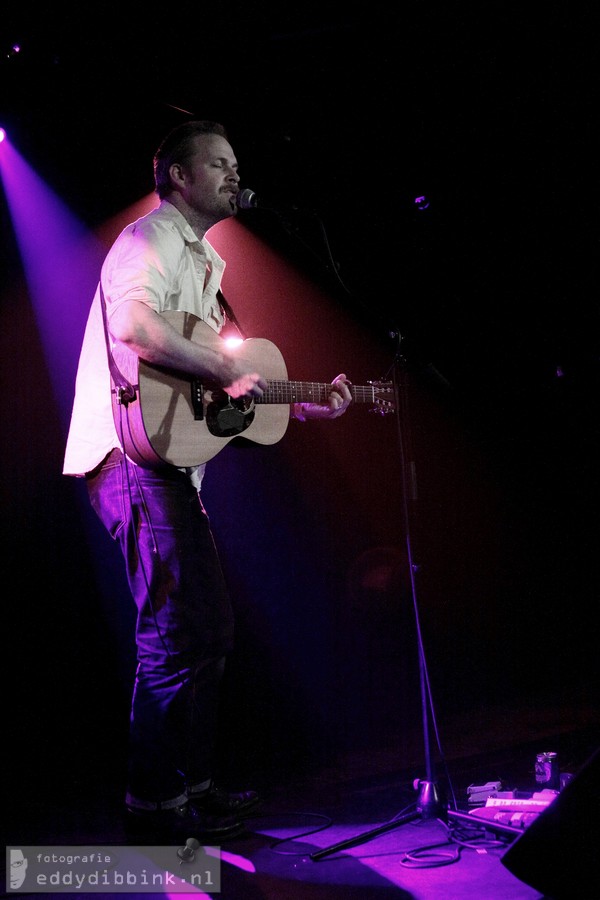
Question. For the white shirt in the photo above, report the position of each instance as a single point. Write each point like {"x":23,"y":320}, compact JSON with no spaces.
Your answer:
{"x":159,"y":260}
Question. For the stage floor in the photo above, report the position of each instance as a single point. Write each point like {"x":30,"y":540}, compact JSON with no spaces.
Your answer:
{"x":289,"y":849}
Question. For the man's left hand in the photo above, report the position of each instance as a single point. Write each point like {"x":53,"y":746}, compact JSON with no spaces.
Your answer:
{"x":338,"y":401}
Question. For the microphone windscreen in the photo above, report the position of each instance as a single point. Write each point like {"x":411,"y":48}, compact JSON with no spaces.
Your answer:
{"x":246,"y":199}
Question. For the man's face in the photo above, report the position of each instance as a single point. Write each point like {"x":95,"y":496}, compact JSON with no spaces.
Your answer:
{"x":211,"y":178}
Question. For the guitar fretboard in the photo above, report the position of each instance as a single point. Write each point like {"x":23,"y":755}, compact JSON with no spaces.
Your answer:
{"x":311,"y":392}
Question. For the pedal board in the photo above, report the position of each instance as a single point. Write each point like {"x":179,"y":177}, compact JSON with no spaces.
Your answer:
{"x":518,"y":812}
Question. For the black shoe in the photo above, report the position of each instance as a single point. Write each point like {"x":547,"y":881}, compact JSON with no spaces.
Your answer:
{"x":217,"y":802}
{"x":178,"y":824}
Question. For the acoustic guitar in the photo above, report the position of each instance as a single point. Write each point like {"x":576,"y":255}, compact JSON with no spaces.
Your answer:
{"x":177,"y":419}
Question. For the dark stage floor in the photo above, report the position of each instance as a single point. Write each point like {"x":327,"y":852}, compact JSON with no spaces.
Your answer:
{"x":290,"y":850}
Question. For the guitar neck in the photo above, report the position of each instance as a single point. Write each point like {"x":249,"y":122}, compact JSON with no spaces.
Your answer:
{"x":311,"y":392}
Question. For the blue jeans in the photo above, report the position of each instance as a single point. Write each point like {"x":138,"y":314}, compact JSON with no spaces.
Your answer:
{"x":184,"y":623}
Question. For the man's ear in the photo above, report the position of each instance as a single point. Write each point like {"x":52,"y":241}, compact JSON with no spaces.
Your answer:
{"x":176,"y":173}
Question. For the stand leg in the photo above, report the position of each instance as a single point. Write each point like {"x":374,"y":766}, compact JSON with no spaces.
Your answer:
{"x":428,"y":807}
{"x":366,"y":836}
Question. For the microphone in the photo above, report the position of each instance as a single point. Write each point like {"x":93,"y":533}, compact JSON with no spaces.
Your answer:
{"x":247,"y":199}
{"x":187,"y":853}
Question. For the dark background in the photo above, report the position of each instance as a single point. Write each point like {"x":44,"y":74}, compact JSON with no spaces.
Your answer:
{"x":341,"y":119}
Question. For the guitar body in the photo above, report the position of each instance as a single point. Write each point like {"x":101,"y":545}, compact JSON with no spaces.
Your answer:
{"x":175,"y":420}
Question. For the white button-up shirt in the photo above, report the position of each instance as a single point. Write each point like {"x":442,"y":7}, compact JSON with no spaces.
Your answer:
{"x":158,"y":260}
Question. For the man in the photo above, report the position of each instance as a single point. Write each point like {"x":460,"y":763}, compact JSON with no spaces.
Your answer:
{"x":158,"y":264}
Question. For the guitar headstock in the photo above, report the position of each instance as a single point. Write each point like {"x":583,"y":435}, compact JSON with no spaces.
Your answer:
{"x":383,"y":397}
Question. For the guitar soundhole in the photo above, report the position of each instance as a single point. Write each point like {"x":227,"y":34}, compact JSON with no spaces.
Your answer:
{"x":227,"y":417}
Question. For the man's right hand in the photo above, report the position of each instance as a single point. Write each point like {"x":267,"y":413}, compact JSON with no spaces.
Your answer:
{"x":248,"y":385}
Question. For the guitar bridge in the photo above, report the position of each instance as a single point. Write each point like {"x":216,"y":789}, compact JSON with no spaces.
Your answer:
{"x":197,"y":398}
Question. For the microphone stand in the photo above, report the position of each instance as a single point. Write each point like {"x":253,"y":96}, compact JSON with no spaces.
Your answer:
{"x":429,"y":804}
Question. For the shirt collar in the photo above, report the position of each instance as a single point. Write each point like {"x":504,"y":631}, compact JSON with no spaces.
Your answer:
{"x":167,"y":209}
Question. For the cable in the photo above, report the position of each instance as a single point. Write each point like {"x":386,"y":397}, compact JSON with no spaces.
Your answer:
{"x":472,"y":838}
{"x":421,"y":858}
{"x":328,"y":821}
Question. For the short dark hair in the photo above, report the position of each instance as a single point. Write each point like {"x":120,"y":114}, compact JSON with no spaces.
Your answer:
{"x":178,"y":146}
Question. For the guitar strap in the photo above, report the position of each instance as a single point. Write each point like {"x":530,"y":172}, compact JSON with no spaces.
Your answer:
{"x":225,"y":306}
{"x":125,"y":390}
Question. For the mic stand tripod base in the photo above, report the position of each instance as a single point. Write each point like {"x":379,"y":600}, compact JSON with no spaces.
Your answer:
{"x":428,"y":806}
{"x":429,"y":803}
